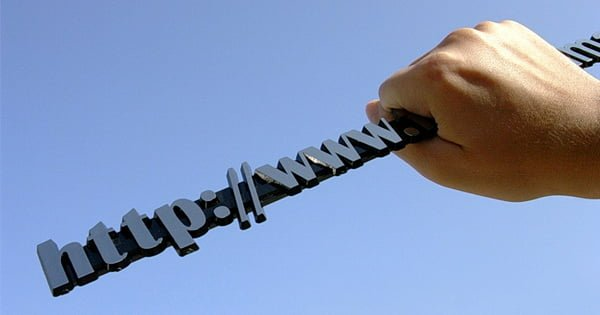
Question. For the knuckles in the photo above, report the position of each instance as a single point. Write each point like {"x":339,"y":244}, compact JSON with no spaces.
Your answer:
{"x":462,"y":36}
{"x":512,"y":24}
{"x":462,"y":53}
{"x":440,"y":66}
{"x":495,"y":27}
{"x":487,"y":26}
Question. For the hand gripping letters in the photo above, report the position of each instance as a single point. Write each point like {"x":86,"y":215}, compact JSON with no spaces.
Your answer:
{"x":179,"y":223}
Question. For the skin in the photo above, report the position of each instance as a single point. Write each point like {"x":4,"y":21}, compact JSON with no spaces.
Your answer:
{"x":517,"y":120}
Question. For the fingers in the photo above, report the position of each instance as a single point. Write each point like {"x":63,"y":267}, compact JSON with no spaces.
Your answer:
{"x":423,"y":88}
{"x":375,"y":112}
{"x":437,"y":159}
{"x":372,"y":111}
{"x":404,"y":90}
{"x":485,"y":27}
{"x":483,"y":86}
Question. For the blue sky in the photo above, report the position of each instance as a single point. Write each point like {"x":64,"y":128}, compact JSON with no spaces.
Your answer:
{"x":114,"y":105}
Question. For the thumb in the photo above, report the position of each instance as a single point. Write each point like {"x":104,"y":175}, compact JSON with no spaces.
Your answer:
{"x":375,"y":111}
{"x":437,"y":159}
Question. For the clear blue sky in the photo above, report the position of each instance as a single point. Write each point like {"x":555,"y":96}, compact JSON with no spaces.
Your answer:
{"x":111,"y":105}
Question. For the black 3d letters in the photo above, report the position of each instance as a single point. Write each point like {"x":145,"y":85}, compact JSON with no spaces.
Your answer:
{"x":584,"y":53}
{"x":179,"y":223}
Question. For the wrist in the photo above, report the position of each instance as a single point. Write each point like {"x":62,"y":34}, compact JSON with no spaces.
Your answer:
{"x":582,"y":157}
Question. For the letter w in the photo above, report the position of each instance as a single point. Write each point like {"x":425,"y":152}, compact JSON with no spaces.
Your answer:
{"x":288,"y":173}
{"x":380,"y":138}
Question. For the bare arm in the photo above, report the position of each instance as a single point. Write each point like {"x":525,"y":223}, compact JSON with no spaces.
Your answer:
{"x":517,"y":120}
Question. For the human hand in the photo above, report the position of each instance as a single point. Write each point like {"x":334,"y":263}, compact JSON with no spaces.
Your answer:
{"x":516,"y":119}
